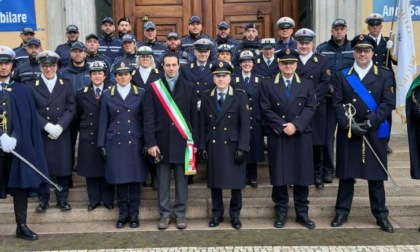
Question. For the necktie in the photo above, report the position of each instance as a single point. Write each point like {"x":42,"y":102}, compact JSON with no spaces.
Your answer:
{"x":268,"y":62}
{"x":220,"y":100}
{"x":246,"y":80}
{"x":201,"y":67}
{"x":288,"y":87}
{"x":97,"y":93}
{"x":3,"y":86}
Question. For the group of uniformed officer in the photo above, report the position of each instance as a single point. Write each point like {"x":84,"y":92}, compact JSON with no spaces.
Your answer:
{"x":242,"y":91}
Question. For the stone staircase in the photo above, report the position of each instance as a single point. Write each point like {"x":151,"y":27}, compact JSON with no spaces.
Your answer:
{"x":257,"y":212}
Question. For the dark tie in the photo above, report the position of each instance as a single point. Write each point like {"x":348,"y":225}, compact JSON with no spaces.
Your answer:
{"x":97,"y":93}
{"x":268,"y":62}
{"x":220,"y":101}
{"x":246,"y":80}
{"x":3,"y":87}
{"x":201,"y":67}
{"x":288,"y":87}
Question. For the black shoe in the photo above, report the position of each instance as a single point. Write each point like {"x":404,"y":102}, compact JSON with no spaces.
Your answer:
{"x":134,"y":222}
{"x":63,"y":206}
{"x":22,"y":231}
{"x":190,"y":179}
{"x":319,"y":183}
{"x":109,"y":206}
{"x":280,"y":221}
{"x":92,"y":206}
{"x":154,"y":183}
{"x":385,"y":225}
{"x":328,"y":178}
{"x":121,"y":222}
{"x":339,"y":220}
{"x":215,"y":221}
{"x":236,"y":223}
{"x":42,"y":207}
{"x":305,"y":221}
{"x":253,"y":184}
{"x":388,"y":149}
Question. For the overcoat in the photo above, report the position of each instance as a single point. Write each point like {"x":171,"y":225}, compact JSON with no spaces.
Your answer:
{"x":316,"y":70}
{"x":355,"y":160}
{"x":202,"y":79}
{"x":90,"y":162}
{"x":58,"y":107}
{"x":155,"y":75}
{"x":121,"y":133}
{"x":289,"y":157}
{"x":265,"y":71}
{"x":413,"y":129}
{"x":221,"y":134}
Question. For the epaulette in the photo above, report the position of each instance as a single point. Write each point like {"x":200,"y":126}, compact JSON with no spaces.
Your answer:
{"x":113,"y":91}
{"x":133,"y":72}
{"x":258,"y":60}
{"x":192,"y":65}
{"x":61,"y":81}
{"x":156,"y":71}
{"x":136,"y":90}
{"x":315,"y":59}
{"x":257,"y":79}
{"x":37,"y":83}
{"x":277,"y":80}
{"x":237,"y":79}
{"x":297,"y":78}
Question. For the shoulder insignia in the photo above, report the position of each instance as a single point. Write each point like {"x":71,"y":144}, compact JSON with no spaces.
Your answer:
{"x":258,"y":61}
{"x":375,"y":70}
{"x":256,"y":79}
{"x":350,"y":71}
{"x":156,"y":71}
{"x":277,"y":80}
{"x":61,"y":82}
{"x":315,"y":59}
{"x":86,"y":89}
{"x":133,"y":72}
{"x":135,"y":89}
{"x":297,"y":78}
{"x":237,"y":79}
{"x":230,"y":91}
{"x":213,"y":91}
{"x":112,"y":90}
{"x":210,"y":65}
{"x":192,"y":65}
{"x":37,"y":83}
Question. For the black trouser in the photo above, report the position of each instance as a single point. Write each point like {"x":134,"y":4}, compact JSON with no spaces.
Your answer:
{"x":20,"y":205}
{"x":280,"y":197}
{"x":128,"y":197}
{"x":251,"y":171}
{"x":60,"y":196}
{"x":98,"y":189}
{"x":235,"y":202}
{"x":318,"y":161}
{"x":329,"y":140}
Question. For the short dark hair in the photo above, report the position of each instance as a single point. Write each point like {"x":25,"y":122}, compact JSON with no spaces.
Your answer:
{"x":170,"y":54}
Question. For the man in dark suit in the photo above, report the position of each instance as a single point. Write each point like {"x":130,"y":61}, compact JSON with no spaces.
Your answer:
{"x":314,"y":67}
{"x":288,"y":105}
{"x":90,"y":163}
{"x":56,"y":107}
{"x":165,"y":140}
{"x":266,"y":64}
{"x":363,"y":99}
{"x":224,"y":142}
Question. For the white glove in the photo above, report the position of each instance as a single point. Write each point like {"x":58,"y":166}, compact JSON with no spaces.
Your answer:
{"x":198,"y":105}
{"x":7,"y":143}
{"x":51,"y":137}
{"x":57,"y":131}
{"x":389,"y":44}
{"x":49,"y":127}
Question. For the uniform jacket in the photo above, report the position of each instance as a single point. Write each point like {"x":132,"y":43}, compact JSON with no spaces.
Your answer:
{"x":89,"y":160}
{"x":158,"y":48}
{"x":137,"y":80}
{"x":253,"y":46}
{"x":159,"y":128}
{"x":221,"y":134}
{"x":58,"y":107}
{"x":27,"y":71}
{"x":21,"y":55}
{"x":110,"y":47}
{"x":316,"y":71}
{"x":253,"y":90}
{"x":289,"y":157}
{"x":378,"y":82}
{"x":63,"y":51}
{"x":380,"y":52}
{"x":265,"y":71}
{"x":77,"y":77}
{"x":102,"y":58}
{"x":121,"y":133}
{"x":203,"y":80}
{"x":413,"y":131}
{"x":129,"y":58}
{"x":187,"y":45}
{"x":292,"y":44}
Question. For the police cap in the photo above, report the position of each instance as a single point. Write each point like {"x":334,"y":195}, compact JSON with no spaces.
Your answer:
{"x":374,"y":19}
{"x":34,"y":41}
{"x":287,"y":55}
{"x":47,"y":57}
{"x":89,"y":36}
{"x":222,"y":24}
{"x":363,"y":41}
{"x":129,"y":37}
{"x":285,"y":23}
{"x":27,"y":30}
{"x":203,"y":44}
{"x":145,"y":50}
{"x":249,"y":26}
{"x":246,"y":55}
{"x":224,"y":48}
{"x":221,"y":68}
{"x":172,"y":35}
{"x":124,"y":19}
{"x":149,"y":25}
{"x":6,"y":54}
{"x":97,"y":66}
{"x":339,"y":22}
{"x":108,"y":19}
{"x":305,"y":35}
{"x":72,"y":28}
{"x":195,"y":19}
{"x":122,"y":67}
{"x":268,"y":43}
{"x":78,"y":45}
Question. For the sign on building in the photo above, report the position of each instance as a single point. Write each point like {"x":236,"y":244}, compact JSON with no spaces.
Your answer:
{"x":17,"y":14}
{"x":386,"y":8}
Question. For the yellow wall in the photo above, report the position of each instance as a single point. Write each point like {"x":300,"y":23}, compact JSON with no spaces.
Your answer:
{"x":12,"y":39}
{"x":367,"y":8}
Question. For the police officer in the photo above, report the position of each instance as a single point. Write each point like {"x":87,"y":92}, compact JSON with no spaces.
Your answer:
{"x":250,"y":82}
{"x":121,"y":142}
{"x":109,"y":45}
{"x":224,"y":52}
{"x":130,"y":57}
{"x":22,"y":55}
{"x":93,"y":54}
{"x":29,"y":70}
{"x":146,"y":71}
{"x":90,"y":163}
{"x":224,"y":142}
{"x":77,"y":70}
{"x":314,"y":67}
{"x":19,"y":131}
{"x":63,"y":50}
{"x":285,"y":25}
{"x":250,"y":42}
{"x":223,"y":35}
{"x":288,"y":105}
{"x":363,"y":99}
{"x":173,"y":44}
{"x":195,"y":32}
{"x":124,"y":27}
{"x":56,"y":108}
{"x":339,"y":54}
{"x":266,"y":64}
{"x":150,"y":35}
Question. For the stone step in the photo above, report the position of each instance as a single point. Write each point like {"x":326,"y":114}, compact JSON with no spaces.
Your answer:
{"x":201,"y":209}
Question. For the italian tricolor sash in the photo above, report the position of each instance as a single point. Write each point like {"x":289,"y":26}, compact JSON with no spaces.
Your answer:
{"x":172,"y":109}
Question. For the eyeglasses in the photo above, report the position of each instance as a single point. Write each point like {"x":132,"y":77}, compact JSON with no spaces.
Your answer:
{"x":364,"y":50}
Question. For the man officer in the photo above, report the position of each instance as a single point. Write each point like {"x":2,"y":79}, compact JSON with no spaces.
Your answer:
{"x":109,"y":45}
{"x":19,"y":131}
{"x":21,"y":52}
{"x":150,"y":40}
{"x":285,"y":25}
{"x":63,"y":50}
{"x":223,"y":35}
{"x":29,"y":70}
{"x":288,"y":105}
{"x":363,"y":99}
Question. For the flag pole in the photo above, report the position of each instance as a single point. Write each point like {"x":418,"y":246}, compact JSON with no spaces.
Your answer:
{"x":390,"y":32}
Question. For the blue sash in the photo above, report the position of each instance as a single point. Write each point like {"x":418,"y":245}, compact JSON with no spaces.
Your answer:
{"x":359,"y":88}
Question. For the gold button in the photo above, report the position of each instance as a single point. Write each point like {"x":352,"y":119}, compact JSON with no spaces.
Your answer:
{"x":224,"y":129}
{"x":129,"y":121}
{"x":128,"y":110}
{"x":354,"y":100}
{"x":118,"y":111}
{"x":229,"y":116}
{"x":214,"y":141}
{"x":58,"y":108}
{"x":129,"y":142}
{"x":47,"y":108}
{"x":129,"y":132}
{"x":214,"y":128}
{"x":225,"y":142}
{"x":278,"y":104}
{"x":283,"y":116}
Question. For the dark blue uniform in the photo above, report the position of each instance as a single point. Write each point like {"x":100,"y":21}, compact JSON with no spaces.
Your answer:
{"x":253,"y":46}
{"x":265,"y":71}
{"x":292,"y":44}
{"x":78,"y":77}
{"x":187,"y":45}
{"x":27,"y":71}
{"x":102,"y":58}
{"x":63,"y":51}
{"x":21,"y":55}
{"x":202,"y":79}
{"x":129,"y":59}
{"x":111,"y":47}
{"x":158,"y":48}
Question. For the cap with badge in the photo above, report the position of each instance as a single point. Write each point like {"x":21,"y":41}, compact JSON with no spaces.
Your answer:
{"x":172,"y":35}
{"x":108,"y":19}
{"x":285,"y":23}
{"x":144,"y":50}
{"x":124,"y":19}
{"x":224,"y":48}
{"x":374,"y":19}
{"x":221,"y":68}
{"x":363,"y":41}
{"x":89,"y":36}
{"x":287,"y":55}
{"x":27,"y":30}
{"x":195,"y":19}
{"x":72,"y":28}
{"x":33,"y":41}
{"x":97,"y":66}
{"x":268,"y":43}
{"x":222,"y":24}
{"x":203,"y":44}
{"x":305,"y":35}
{"x":122,"y":67}
{"x":128,"y":37}
{"x":78,"y":45}
{"x":47,"y":57}
{"x":249,"y":26}
{"x":149,"y":25}
{"x":339,"y":22}
{"x":246,"y":55}
{"x":6,"y":54}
